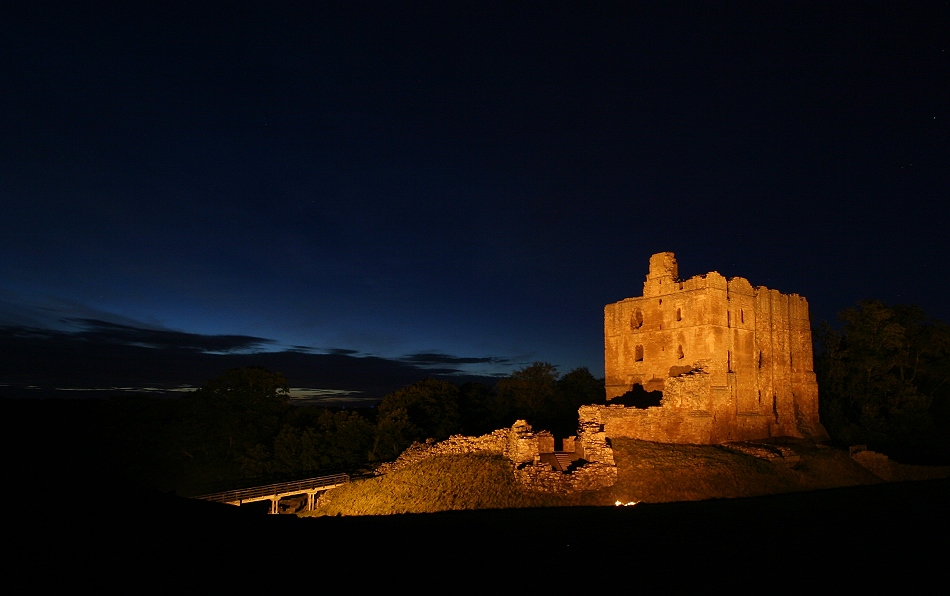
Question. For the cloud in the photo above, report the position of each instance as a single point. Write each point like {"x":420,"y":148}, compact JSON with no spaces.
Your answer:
{"x":99,"y":354}
{"x":341,"y":351}
{"x":56,"y":346}
{"x":438,"y":358}
{"x":48,"y":312}
{"x":103,"y":331}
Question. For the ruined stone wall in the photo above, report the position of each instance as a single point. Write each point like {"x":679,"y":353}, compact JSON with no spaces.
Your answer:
{"x":662,"y":425}
{"x":591,"y":443}
{"x":545,"y":441}
{"x":495,"y":442}
{"x":589,"y":477}
{"x":753,"y":346}
{"x":522,"y":446}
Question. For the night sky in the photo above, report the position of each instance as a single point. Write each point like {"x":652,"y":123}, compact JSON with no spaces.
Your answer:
{"x":453,"y":187}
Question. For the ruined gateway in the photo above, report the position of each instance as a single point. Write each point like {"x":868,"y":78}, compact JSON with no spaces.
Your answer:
{"x":733,"y":362}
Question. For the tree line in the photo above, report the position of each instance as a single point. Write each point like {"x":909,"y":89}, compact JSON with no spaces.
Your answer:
{"x":241,"y":429}
{"x":241,"y":426}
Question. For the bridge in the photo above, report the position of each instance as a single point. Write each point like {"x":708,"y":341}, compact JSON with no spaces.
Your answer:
{"x":275,"y":492}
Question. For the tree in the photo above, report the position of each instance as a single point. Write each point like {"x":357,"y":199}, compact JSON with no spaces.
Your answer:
{"x":423,"y":410}
{"x":478,"y":409}
{"x":348,"y":439}
{"x":530,"y":393}
{"x":883,"y":376}
{"x":394,"y":432}
{"x":228,"y":426}
{"x":249,"y":387}
{"x":340,"y":440}
{"x":579,"y":388}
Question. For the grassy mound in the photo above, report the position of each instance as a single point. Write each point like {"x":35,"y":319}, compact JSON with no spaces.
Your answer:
{"x":661,"y":472}
{"x":650,"y":472}
{"x":438,"y":483}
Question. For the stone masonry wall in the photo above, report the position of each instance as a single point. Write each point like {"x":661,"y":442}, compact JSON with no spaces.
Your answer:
{"x":683,"y":415}
{"x":591,"y":476}
{"x":522,"y":446}
{"x":591,"y":443}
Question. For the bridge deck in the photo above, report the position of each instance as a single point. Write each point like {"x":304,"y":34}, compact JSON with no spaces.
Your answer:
{"x":274,"y":492}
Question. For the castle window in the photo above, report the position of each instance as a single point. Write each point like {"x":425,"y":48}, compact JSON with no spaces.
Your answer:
{"x":729,"y":361}
{"x":760,"y":358}
{"x":638,"y":354}
{"x":741,"y":316}
{"x":679,"y":315}
{"x":679,"y":352}
{"x":636,"y":321}
{"x":661,"y":301}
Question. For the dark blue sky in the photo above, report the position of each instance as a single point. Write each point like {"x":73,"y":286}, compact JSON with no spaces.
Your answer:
{"x":461,"y":180}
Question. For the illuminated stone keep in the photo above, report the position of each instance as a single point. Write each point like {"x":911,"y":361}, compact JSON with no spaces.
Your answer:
{"x":733,"y":362}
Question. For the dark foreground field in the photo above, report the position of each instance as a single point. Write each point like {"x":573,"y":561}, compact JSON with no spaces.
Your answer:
{"x":860,"y":536}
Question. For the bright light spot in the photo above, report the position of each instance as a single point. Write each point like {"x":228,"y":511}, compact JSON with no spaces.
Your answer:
{"x":622,"y":504}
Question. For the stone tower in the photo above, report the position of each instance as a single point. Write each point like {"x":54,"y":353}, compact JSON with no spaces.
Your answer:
{"x":733,"y":362}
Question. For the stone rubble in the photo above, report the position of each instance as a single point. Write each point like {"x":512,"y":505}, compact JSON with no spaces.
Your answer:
{"x":771,"y":452}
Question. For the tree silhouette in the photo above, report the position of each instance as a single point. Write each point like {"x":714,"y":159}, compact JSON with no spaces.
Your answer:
{"x":423,"y":410}
{"x":884,"y":377}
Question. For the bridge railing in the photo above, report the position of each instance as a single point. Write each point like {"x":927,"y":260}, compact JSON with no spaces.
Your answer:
{"x":257,"y":492}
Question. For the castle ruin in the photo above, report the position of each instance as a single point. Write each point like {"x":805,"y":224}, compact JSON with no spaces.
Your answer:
{"x":733,"y":362}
